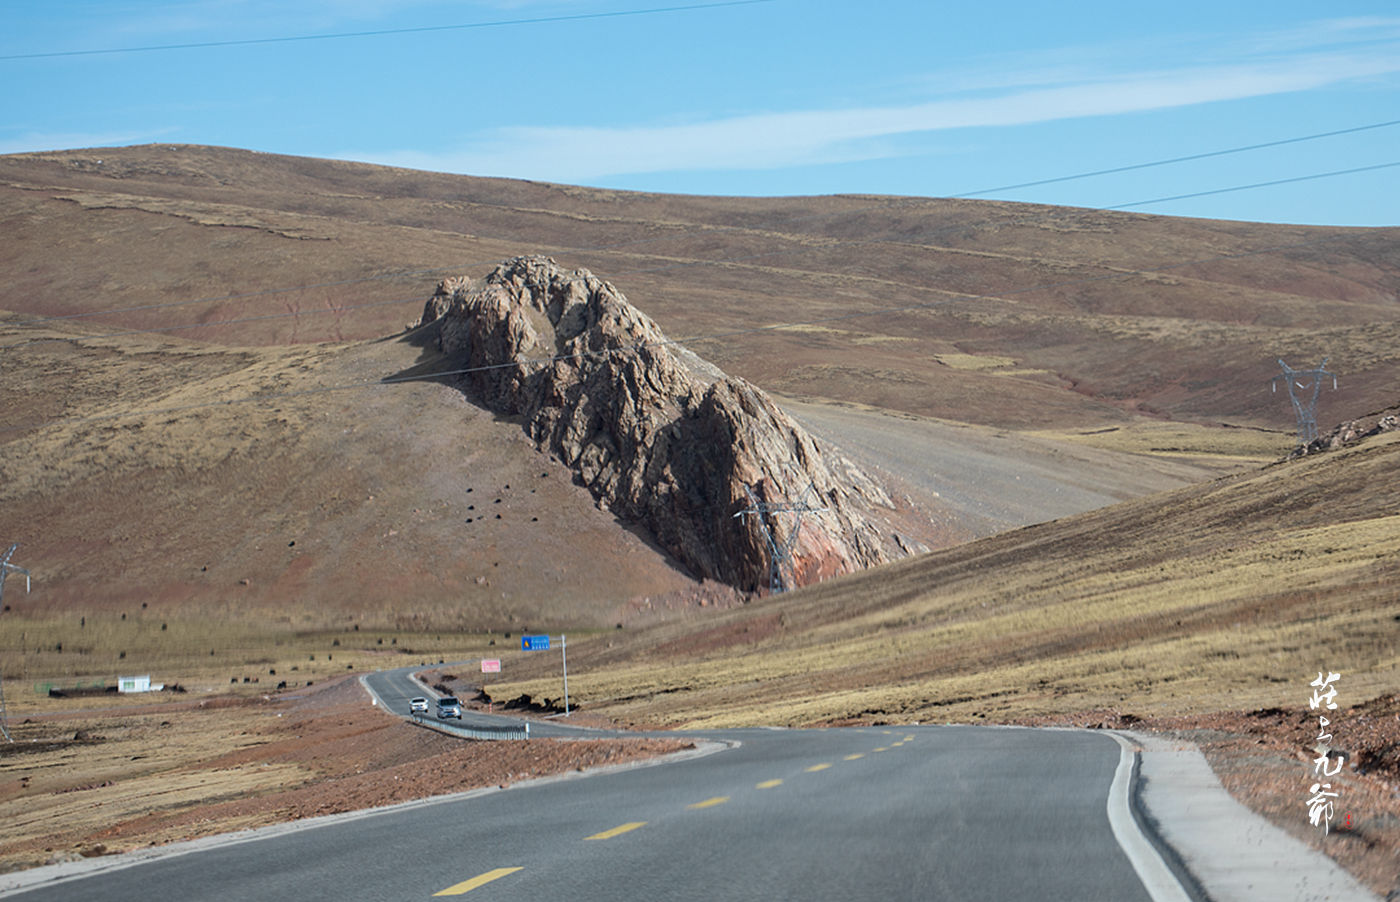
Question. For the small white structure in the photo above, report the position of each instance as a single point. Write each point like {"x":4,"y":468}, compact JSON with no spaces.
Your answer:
{"x":138,"y":684}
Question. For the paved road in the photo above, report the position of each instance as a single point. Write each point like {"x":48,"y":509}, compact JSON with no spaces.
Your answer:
{"x":922,"y":813}
{"x":393,"y":689}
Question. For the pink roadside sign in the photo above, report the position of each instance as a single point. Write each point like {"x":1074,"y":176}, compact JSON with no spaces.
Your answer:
{"x":491,"y":666}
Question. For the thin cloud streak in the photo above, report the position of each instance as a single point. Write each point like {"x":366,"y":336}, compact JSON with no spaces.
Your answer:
{"x":38,"y":142}
{"x":773,"y":140}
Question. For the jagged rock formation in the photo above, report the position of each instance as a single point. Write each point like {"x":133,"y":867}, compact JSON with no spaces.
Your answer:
{"x":1352,"y":431}
{"x":661,"y":437}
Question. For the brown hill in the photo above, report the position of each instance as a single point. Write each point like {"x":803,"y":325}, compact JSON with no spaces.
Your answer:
{"x":1012,"y":315}
{"x":125,"y":489}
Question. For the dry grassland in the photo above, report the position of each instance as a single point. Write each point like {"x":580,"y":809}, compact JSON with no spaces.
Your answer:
{"x":83,"y":780}
{"x":1223,"y":596}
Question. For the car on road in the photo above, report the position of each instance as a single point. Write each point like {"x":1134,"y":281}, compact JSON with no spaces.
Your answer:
{"x":418,"y":705}
{"x":449,"y":707}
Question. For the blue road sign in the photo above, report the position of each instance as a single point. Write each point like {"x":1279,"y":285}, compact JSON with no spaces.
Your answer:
{"x":534,"y":643}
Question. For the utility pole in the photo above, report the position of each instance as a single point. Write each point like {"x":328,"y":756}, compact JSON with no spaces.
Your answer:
{"x":5,"y":568}
{"x":779,"y":553}
{"x":1303,"y":389}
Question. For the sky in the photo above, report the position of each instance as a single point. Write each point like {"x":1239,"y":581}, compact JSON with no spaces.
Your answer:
{"x":759,"y":97}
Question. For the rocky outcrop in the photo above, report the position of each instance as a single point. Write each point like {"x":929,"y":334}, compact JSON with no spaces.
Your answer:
{"x":1352,"y":431}
{"x":659,"y":436}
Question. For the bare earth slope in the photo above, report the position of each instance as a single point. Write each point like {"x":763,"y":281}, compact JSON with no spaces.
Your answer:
{"x":400,"y":506}
{"x":1001,"y":314}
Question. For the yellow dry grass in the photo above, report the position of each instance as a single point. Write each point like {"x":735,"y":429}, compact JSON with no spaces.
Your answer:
{"x":204,"y":653}
{"x":1181,"y":440}
{"x":1208,"y":598}
{"x":975,"y":361}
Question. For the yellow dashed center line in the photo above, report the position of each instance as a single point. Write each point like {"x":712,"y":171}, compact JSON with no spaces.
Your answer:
{"x":469,"y":885}
{"x":769,"y":784}
{"x":882,"y":749}
{"x":709,"y":803}
{"x":618,"y":831}
{"x":855,"y":756}
{"x":816,"y":767}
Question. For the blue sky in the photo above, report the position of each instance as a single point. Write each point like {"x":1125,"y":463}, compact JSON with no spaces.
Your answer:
{"x":769,"y":98}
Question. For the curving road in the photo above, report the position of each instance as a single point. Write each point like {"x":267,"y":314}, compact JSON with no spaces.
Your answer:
{"x":921,"y":813}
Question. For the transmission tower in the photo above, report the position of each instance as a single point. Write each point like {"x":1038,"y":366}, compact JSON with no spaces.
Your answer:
{"x":779,"y":553}
{"x":5,"y":568}
{"x":1303,"y":389}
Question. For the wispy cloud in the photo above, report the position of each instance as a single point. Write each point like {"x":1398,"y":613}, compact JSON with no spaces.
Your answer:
{"x":777,"y":139}
{"x":33,"y":141}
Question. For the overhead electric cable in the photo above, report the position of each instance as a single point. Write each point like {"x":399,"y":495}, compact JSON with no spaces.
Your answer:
{"x":654,"y":269}
{"x":632,"y":349}
{"x":723,"y":229}
{"x":1301,"y":178}
{"x":1186,"y":159}
{"x":499,"y":23}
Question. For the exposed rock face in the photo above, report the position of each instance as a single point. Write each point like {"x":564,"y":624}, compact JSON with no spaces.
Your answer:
{"x":1352,"y":431}
{"x":661,"y":437}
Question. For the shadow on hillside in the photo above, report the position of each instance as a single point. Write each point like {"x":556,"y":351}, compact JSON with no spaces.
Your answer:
{"x":434,"y":366}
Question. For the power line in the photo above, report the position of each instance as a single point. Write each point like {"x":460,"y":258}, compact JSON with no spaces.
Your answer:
{"x":417,"y":299}
{"x":1186,"y":159}
{"x":676,"y":265}
{"x":423,"y":29}
{"x":718,"y":230}
{"x":1301,"y":178}
{"x":632,"y":349}
{"x":204,"y":325}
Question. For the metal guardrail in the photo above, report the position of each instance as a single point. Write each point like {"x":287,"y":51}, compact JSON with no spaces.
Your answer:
{"x":511,"y":731}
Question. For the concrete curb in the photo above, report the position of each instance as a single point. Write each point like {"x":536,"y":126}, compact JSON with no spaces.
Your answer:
{"x":1224,"y":847}
{"x":1156,"y":866}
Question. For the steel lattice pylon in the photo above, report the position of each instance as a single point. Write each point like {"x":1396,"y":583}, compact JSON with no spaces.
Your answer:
{"x":779,"y":553}
{"x":5,"y":568}
{"x":1303,"y":389}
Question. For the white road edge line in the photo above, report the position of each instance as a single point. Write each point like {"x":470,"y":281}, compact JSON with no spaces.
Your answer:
{"x":1156,"y":877}
{"x":17,"y":882}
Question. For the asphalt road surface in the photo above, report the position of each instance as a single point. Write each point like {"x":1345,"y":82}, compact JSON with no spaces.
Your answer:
{"x":919,"y":813}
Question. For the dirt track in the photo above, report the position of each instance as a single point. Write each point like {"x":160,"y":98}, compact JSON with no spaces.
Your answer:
{"x":985,"y":481}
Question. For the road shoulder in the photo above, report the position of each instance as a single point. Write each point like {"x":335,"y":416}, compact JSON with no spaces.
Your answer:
{"x":1233,"y":853}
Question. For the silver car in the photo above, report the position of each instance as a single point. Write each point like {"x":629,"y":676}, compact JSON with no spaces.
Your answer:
{"x":448,"y":706}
